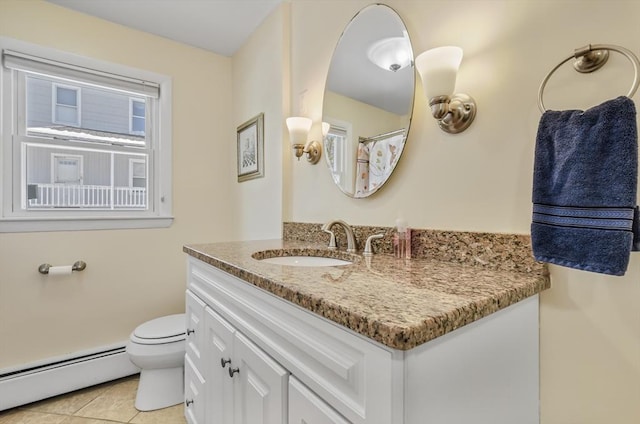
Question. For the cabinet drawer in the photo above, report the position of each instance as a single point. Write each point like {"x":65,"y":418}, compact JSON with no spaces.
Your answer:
{"x":353,"y":375}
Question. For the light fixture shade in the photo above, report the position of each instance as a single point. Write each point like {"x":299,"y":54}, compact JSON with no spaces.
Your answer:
{"x":391,"y":54}
{"x":438,"y":69}
{"x":299,"y":127}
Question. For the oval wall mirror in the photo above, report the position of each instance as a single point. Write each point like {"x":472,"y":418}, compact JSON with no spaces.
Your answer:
{"x":368,"y":101}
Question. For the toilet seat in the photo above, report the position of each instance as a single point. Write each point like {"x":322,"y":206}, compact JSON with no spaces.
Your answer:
{"x":168,"y":329}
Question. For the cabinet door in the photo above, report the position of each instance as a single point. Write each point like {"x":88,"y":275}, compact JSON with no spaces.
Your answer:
{"x":219,"y":346}
{"x":194,"y":403}
{"x":260,"y":386}
{"x":305,"y":407}
{"x":194,"y":312}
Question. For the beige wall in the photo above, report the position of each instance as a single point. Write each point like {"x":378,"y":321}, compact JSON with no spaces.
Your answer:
{"x":131,"y":275}
{"x":260,"y":85}
{"x":480,"y":180}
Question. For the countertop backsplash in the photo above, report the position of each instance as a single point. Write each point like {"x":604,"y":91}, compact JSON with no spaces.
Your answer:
{"x":507,"y":252}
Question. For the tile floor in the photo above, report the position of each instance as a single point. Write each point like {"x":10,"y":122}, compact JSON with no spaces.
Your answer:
{"x":106,"y":403}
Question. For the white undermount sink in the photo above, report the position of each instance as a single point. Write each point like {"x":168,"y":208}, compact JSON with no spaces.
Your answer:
{"x":305,"y":261}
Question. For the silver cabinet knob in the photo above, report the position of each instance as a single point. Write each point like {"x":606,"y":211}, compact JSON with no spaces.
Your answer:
{"x":188,"y":402}
{"x":190,"y":331}
{"x":224,"y":362}
{"x":232,"y":371}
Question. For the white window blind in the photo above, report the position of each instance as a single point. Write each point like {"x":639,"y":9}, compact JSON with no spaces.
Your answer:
{"x":39,"y":65}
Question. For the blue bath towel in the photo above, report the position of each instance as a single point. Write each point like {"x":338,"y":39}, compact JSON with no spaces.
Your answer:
{"x":585,"y":187}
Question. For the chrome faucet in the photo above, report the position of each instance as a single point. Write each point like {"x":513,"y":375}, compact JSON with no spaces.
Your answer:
{"x":351,"y":239}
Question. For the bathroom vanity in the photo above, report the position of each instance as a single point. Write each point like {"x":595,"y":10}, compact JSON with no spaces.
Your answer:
{"x":381,"y":340}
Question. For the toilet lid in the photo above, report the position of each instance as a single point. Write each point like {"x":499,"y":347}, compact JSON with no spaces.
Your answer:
{"x":172,"y":326}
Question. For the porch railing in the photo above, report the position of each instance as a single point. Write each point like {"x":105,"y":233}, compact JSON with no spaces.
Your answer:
{"x":44,"y":196}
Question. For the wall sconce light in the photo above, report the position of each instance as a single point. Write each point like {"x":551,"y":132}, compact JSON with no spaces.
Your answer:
{"x":298,"y":132}
{"x":438,"y":69}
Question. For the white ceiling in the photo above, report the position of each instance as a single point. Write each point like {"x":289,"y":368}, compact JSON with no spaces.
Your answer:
{"x":220,"y":26}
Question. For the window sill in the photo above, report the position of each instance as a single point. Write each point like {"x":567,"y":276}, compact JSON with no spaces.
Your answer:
{"x":25,"y":225}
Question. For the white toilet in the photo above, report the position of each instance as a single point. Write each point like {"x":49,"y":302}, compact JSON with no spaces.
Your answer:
{"x":157,"y":347}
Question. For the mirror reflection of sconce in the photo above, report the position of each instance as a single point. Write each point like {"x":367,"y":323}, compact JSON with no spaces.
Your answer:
{"x":298,"y":133}
{"x":438,"y":69}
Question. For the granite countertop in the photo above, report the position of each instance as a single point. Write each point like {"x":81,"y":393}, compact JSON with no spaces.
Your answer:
{"x":399,"y":303}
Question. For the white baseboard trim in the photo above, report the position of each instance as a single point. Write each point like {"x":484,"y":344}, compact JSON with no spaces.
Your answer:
{"x":62,"y":375}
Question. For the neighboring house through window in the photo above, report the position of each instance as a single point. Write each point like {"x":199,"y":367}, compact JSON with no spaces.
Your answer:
{"x":86,"y":143}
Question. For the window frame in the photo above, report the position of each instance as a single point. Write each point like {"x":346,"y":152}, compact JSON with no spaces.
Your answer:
{"x":55,"y":104}
{"x":344,"y":129}
{"x":133,"y":100}
{"x":159,"y":172}
{"x":132,"y":163}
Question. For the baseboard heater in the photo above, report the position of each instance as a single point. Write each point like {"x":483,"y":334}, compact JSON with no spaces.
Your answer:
{"x":56,"y":376}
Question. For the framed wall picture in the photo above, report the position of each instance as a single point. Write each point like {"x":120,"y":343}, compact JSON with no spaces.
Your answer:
{"x":251,"y":149}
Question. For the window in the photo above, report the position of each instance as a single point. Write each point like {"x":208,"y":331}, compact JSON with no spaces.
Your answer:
{"x":137,"y":114}
{"x":66,"y":107}
{"x":86,"y":143}
{"x":339,"y":155}
{"x":336,"y":141}
{"x":137,"y":173}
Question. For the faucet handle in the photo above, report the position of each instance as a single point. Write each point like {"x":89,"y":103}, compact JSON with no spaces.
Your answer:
{"x":367,"y":247}
{"x":332,"y":239}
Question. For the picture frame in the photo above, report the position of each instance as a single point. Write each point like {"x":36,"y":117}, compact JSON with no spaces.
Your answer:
{"x":250,"y":139}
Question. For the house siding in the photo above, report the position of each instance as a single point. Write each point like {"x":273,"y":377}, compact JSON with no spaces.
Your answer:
{"x":101,"y":110}
{"x":96,"y":166}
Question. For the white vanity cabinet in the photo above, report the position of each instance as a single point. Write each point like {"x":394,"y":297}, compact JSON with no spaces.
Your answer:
{"x":247,"y":386}
{"x":234,"y":381}
{"x":296,"y":367}
{"x":219,"y":346}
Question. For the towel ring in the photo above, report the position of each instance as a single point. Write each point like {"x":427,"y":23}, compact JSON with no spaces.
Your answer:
{"x":591,"y":58}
